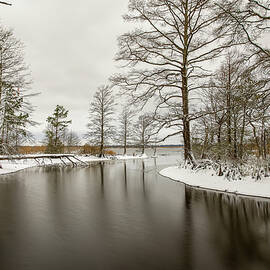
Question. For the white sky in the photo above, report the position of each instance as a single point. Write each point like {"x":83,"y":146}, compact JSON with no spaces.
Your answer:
{"x":69,"y":46}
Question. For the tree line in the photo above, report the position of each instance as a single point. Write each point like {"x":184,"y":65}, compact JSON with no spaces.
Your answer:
{"x":195,"y":68}
{"x":104,"y":126}
{"x":203,"y":65}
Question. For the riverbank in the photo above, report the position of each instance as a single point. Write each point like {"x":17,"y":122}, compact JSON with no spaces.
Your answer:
{"x":14,"y":165}
{"x":207,"y":179}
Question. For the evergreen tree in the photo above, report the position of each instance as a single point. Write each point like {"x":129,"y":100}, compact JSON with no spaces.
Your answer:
{"x":14,"y":82}
{"x":54,"y":133}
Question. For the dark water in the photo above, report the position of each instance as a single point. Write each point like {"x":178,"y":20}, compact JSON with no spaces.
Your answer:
{"x":123,"y":215}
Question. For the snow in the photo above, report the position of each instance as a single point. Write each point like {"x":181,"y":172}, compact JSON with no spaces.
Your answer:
{"x":207,"y":179}
{"x":15,"y":165}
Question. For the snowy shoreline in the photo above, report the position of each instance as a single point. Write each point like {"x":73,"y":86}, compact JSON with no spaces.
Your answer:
{"x":16,"y":165}
{"x":208,"y":180}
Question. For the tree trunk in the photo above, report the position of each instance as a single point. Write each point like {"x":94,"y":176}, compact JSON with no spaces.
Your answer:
{"x":101,"y":152}
{"x":241,"y":147}
{"x":219,"y":139}
{"x":205,"y":143}
{"x":263,"y":140}
{"x":235,"y":148}
{"x":219,"y":135}
{"x":2,"y":113}
{"x":185,"y":99}
{"x":264,"y":145}
{"x":256,"y":139}
{"x":125,"y":139}
{"x":229,"y":113}
{"x":143,"y":144}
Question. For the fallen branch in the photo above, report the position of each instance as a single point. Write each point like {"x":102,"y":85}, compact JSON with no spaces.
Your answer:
{"x":5,"y":3}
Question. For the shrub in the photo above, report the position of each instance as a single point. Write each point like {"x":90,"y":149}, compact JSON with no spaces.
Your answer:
{"x":110,"y":153}
{"x":88,"y":149}
{"x":94,"y":150}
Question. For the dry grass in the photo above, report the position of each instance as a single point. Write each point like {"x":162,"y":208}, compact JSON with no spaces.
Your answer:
{"x":94,"y":150}
{"x":110,"y":153}
{"x":25,"y":150}
{"x":85,"y":149}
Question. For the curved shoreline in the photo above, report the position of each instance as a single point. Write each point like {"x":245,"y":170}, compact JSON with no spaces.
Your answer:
{"x":244,"y":188}
{"x":9,"y":168}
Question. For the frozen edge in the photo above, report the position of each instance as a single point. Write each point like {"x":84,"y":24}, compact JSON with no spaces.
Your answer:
{"x":245,"y":188}
{"x":10,"y":168}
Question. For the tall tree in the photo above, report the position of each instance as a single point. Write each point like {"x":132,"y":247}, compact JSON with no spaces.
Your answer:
{"x":168,"y":57}
{"x":16,"y":120}
{"x":100,"y":128}
{"x":14,"y":84}
{"x":125,"y":133}
{"x":55,"y":131}
{"x":237,"y":104}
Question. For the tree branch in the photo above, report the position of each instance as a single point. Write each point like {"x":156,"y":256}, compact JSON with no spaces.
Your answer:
{"x":5,"y":3}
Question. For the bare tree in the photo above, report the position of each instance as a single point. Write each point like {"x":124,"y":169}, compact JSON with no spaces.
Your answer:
{"x":233,"y":101}
{"x":125,"y":133}
{"x":100,"y":128}
{"x":247,"y":22}
{"x":15,"y":108}
{"x":145,"y":131}
{"x":71,"y":139}
{"x":168,"y":57}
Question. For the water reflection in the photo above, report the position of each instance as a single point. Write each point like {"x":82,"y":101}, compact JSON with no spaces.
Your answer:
{"x":125,"y":177}
{"x":101,"y":169}
{"x":123,"y":215}
{"x":238,"y":228}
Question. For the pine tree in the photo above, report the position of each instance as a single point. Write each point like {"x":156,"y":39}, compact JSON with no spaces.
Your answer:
{"x":54,"y":133}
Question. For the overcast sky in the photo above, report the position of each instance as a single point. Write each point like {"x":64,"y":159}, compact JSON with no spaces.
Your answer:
{"x":69,"y":46}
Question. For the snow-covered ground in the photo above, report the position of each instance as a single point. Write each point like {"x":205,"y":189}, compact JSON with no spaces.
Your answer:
{"x":15,"y":165}
{"x":208,"y":179}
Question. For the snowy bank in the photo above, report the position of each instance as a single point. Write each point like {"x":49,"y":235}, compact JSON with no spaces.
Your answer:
{"x":208,"y":179}
{"x":26,"y":161}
